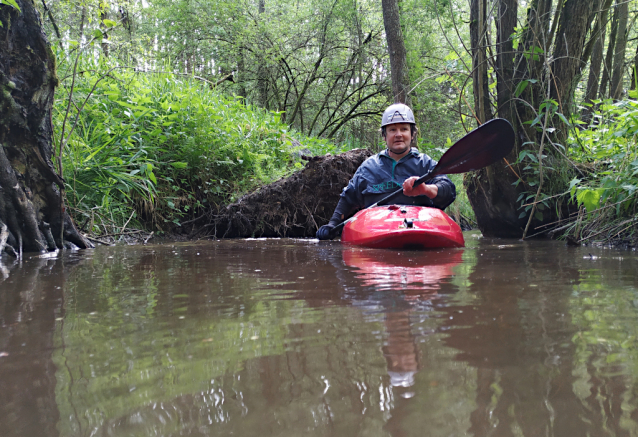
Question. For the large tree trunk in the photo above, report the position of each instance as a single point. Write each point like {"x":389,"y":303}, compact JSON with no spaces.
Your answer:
{"x":30,"y":199}
{"x":494,"y":191}
{"x":505,"y":25}
{"x":615,"y":92}
{"x":490,"y":191}
{"x":569,"y":46}
{"x":396,"y":49}
{"x":609,"y":57}
{"x":598,"y":41}
{"x":478,"y":34}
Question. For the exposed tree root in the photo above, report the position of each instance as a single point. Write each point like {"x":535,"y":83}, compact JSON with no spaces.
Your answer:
{"x":291,"y":207}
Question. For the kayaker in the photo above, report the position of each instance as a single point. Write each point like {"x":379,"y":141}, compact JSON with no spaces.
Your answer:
{"x":399,"y":165}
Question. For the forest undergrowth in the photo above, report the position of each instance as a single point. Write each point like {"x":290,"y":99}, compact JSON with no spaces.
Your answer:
{"x":606,"y":185}
{"x":146,"y":152}
{"x":149,"y":151}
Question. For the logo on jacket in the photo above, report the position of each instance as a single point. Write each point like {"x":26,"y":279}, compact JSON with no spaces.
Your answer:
{"x":385,"y":186}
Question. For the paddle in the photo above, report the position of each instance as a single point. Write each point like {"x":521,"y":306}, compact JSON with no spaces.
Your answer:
{"x":481,"y":147}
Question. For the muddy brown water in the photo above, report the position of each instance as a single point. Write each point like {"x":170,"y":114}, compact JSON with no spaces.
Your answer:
{"x":300,"y":338}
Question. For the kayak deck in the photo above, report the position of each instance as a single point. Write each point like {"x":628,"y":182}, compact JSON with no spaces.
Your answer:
{"x":402,"y":227}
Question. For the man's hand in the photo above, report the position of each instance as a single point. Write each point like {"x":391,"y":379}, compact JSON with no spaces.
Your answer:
{"x":323,"y":233}
{"x":420,"y":190}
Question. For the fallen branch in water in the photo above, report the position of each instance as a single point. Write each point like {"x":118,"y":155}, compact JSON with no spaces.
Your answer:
{"x":96,"y":240}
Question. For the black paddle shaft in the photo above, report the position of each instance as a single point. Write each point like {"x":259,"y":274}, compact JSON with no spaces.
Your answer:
{"x":488,"y":143}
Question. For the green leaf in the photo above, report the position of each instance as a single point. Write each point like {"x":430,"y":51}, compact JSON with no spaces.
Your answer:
{"x":97,"y":33}
{"x":520,"y":88}
{"x":562,"y":117}
{"x":179,"y":165}
{"x":589,"y":198}
{"x":11,"y":3}
{"x":109,"y":23}
{"x":573,"y":186}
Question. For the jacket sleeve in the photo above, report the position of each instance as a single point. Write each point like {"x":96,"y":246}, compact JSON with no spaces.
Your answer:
{"x":351,"y":201}
{"x":446,"y":191}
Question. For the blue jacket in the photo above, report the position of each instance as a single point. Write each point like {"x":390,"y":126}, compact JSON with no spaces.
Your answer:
{"x":380,"y":175}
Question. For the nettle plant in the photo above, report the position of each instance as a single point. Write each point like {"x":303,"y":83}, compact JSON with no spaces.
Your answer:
{"x":608,"y":148}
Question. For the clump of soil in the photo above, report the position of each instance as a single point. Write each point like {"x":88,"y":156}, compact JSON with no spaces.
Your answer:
{"x":295,"y":206}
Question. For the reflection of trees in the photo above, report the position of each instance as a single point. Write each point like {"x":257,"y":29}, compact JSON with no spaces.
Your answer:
{"x":30,"y":301}
{"x":247,"y":341}
{"x":603,"y":309}
{"x":290,"y":338}
{"x":278,"y":338}
{"x":518,"y":333}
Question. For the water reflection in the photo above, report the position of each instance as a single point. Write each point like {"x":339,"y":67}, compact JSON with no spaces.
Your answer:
{"x":285,"y":337}
{"x":31,"y":303}
{"x":412,"y":278}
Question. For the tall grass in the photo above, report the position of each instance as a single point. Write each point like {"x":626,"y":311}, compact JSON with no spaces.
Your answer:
{"x":158,"y":149}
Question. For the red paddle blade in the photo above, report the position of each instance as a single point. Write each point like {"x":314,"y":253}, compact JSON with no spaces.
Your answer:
{"x":481,"y":147}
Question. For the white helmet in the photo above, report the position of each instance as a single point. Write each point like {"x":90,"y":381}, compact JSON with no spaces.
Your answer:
{"x":397,"y":113}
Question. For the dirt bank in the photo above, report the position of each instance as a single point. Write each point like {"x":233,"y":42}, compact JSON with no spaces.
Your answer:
{"x":295,"y":206}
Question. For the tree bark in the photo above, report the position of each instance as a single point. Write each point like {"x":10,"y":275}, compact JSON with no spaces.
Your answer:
{"x":397,"y":52}
{"x":490,"y":191}
{"x":505,"y":24}
{"x":103,"y":16}
{"x":568,"y":48}
{"x":609,"y":57}
{"x":494,"y":192}
{"x":595,"y":65}
{"x":615,"y":92}
{"x":262,"y":69}
{"x":482,"y":103}
{"x":599,"y":16}
{"x":634,"y":69}
{"x":30,"y":190}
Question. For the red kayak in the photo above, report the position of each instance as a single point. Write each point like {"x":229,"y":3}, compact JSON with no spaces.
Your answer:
{"x":402,"y":227}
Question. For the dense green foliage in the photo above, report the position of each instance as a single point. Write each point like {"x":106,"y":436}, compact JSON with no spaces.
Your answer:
{"x":167,"y":146}
{"x":607,"y":184}
{"x":286,"y":70}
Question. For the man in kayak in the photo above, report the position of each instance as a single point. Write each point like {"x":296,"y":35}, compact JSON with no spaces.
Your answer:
{"x":399,"y":165}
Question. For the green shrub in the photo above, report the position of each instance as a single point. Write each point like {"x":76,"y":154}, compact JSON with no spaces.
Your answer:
{"x":165,"y":146}
{"x":607,"y":188}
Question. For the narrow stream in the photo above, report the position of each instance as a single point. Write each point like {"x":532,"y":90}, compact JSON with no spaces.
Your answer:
{"x":288,"y":337}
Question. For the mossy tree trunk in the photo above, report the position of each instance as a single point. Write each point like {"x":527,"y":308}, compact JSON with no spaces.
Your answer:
{"x":547,"y":64}
{"x":31,"y":208}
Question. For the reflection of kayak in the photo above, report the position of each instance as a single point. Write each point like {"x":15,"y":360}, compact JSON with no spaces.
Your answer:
{"x":423,"y":270}
{"x":399,"y":227}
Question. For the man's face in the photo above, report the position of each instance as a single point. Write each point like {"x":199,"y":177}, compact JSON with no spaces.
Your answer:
{"x":398,"y":138}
